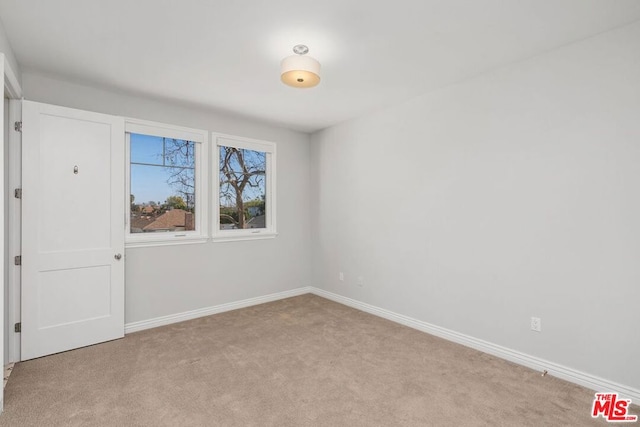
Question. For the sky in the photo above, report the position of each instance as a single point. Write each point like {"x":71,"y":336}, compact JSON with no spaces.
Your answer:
{"x":149,"y":183}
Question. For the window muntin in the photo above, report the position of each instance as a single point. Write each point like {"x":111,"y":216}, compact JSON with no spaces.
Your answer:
{"x":245,"y":189}
{"x":165,"y":177}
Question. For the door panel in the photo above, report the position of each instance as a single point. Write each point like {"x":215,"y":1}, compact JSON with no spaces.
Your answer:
{"x":84,"y":191}
{"x":72,"y":228}
{"x":60,"y":289}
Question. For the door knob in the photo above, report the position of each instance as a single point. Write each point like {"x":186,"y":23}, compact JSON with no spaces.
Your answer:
{"x":118,"y":256}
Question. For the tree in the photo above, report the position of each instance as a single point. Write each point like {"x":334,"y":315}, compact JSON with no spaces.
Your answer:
{"x":241,"y":170}
{"x":176,"y":202}
{"x":179,"y":154}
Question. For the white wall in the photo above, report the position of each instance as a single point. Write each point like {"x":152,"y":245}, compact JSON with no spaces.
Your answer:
{"x":510,"y":195}
{"x":173,"y":279}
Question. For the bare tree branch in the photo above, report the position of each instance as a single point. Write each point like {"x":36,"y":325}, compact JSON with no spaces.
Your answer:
{"x":180,"y":156}
{"x":239,"y":169}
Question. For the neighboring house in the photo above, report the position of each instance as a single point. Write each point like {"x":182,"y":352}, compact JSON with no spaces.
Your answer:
{"x":254,"y":211}
{"x":148,"y":210}
{"x":257,"y":222}
{"x":139,"y":223}
{"x":173,"y":220}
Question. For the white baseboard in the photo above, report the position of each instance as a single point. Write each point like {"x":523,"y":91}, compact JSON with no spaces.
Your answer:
{"x":207,"y":311}
{"x":577,"y":377}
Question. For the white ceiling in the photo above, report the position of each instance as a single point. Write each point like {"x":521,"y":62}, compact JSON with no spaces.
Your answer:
{"x":225,"y":54}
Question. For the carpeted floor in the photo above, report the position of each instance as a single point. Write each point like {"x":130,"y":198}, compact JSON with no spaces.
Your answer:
{"x":302,"y":361}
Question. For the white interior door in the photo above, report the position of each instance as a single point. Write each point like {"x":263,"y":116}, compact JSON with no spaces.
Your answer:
{"x":72,"y":229}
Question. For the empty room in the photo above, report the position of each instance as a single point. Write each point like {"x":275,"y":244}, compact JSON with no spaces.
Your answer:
{"x":338,"y":213}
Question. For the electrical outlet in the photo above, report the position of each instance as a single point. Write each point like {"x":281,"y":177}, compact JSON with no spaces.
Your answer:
{"x":536,"y":324}
{"x":360,"y":281}
{"x":341,"y":276}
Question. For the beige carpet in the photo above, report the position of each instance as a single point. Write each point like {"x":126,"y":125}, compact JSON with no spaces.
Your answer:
{"x":303,"y":361}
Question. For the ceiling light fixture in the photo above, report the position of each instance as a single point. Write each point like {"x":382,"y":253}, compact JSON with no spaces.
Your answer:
{"x":299,"y":70}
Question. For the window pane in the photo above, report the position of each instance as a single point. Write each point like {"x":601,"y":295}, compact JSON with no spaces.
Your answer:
{"x":162,"y":184}
{"x":242,"y":188}
{"x":146,"y":149}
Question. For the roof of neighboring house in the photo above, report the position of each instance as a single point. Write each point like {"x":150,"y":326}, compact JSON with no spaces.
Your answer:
{"x":138,"y":224}
{"x":168,"y":220}
{"x":148,"y":209}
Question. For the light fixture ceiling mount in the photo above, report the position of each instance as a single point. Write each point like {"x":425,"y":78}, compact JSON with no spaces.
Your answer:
{"x":300,"y":49}
{"x":299,"y":70}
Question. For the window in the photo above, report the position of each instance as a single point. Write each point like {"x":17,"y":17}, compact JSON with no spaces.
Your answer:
{"x":245,"y":196}
{"x":167,"y":202}
{"x":168,"y":186}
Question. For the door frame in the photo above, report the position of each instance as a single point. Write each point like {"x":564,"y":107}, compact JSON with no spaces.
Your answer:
{"x":13,"y":91}
{"x":12,"y":288}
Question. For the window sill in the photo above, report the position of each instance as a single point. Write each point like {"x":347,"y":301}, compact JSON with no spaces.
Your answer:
{"x":243,"y":236}
{"x":166,"y":241}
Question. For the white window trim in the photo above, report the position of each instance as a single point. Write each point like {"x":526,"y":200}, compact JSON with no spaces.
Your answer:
{"x":201,"y":138}
{"x":269,"y":232}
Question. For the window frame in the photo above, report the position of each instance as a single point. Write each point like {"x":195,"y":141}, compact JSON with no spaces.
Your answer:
{"x":267,"y":147}
{"x":200,"y":138}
